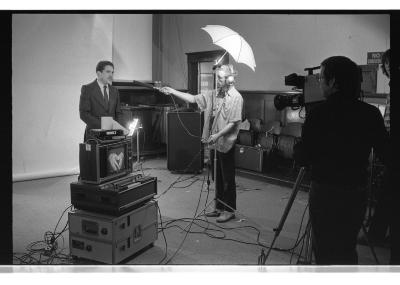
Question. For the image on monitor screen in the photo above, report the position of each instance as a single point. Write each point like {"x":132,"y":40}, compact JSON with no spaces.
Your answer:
{"x":116,"y":160}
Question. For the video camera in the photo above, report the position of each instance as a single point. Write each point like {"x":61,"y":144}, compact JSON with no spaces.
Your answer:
{"x":309,"y":90}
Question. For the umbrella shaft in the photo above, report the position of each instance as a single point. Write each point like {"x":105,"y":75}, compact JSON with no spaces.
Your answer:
{"x":219,"y":60}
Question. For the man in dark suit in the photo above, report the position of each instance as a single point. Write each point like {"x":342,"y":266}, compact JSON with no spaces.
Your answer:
{"x":99,"y":99}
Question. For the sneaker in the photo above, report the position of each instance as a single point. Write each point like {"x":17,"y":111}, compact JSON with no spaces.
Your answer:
{"x":215,"y":213}
{"x":224,"y":217}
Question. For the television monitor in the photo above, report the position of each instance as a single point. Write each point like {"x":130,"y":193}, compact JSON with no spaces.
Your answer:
{"x":101,"y":162}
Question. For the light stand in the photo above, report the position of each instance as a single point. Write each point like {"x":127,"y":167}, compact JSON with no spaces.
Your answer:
{"x":137,"y":164}
{"x":132,"y":128}
{"x":215,"y":144}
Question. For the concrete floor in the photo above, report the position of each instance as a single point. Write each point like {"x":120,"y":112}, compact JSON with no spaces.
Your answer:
{"x":38,"y":204}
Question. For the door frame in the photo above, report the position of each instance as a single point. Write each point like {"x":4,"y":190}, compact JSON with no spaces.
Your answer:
{"x":193,"y":59}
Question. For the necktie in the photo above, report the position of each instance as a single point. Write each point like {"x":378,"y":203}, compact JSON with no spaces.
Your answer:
{"x":105,"y":95}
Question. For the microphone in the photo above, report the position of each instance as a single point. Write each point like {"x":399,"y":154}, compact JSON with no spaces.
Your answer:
{"x":143,"y":84}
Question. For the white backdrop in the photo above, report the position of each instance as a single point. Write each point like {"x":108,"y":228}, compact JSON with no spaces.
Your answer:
{"x":132,"y":44}
{"x":52,"y":57}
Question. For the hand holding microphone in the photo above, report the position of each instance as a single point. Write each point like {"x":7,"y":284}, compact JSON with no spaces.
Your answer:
{"x":166,"y":90}
{"x":213,"y":139}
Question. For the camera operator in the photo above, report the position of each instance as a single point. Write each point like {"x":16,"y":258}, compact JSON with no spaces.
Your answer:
{"x":337,"y":137}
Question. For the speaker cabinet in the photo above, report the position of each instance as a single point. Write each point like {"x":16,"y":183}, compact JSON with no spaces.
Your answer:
{"x":184,"y":147}
{"x":250,"y":158}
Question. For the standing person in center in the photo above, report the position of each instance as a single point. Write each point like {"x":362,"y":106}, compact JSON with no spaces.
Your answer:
{"x":223,"y":114}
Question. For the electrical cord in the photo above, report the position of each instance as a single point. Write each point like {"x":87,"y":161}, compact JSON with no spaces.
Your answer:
{"x":298,"y":233}
{"x":187,"y":232}
{"x":176,"y":181}
{"x":186,"y":186}
{"x":220,"y":234}
{"x":300,"y":116}
{"x":55,"y":228}
{"x":48,"y":247}
{"x":265,"y":246}
{"x":221,"y":230}
{"x":165,"y":239}
{"x":180,"y":120}
{"x":206,"y":229}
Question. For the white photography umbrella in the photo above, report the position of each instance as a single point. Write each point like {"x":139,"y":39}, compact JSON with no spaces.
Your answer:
{"x":233,"y":43}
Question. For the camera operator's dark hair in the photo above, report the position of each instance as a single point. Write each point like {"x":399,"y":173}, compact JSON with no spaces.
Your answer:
{"x":102,"y":64}
{"x":385,"y":58}
{"x":346,"y":73}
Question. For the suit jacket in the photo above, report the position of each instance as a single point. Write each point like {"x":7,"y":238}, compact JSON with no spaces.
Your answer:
{"x":92,"y":106}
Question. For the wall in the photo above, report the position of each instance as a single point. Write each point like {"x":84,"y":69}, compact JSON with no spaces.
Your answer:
{"x":132,"y":53}
{"x":282,"y":44}
{"x":52,"y":57}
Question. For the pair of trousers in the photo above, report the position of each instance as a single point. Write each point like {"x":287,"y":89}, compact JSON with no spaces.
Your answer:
{"x":336,"y":214}
{"x":225,"y":185}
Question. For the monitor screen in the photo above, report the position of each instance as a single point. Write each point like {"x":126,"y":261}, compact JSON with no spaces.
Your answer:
{"x":116,"y":159}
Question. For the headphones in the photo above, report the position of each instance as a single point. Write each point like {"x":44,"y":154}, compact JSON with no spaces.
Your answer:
{"x":231,"y":78}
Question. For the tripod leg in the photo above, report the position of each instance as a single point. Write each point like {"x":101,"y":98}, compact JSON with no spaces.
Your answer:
{"x":287,"y":209}
{"x":370,"y":189}
{"x":307,"y":257}
{"x":309,"y":244}
{"x":215,"y":176}
{"x":369,"y":244}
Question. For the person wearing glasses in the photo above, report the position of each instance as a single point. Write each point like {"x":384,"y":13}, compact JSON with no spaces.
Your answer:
{"x":337,"y":138}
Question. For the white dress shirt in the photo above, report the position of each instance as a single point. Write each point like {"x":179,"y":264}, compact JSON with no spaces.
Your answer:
{"x":102,"y":89}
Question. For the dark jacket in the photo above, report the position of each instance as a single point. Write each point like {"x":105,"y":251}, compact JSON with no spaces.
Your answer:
{"x":92,"y":106}
{"x":337,"y":138}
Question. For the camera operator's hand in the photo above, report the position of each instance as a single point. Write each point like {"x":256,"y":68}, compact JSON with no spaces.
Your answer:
{"x":112,"y":159}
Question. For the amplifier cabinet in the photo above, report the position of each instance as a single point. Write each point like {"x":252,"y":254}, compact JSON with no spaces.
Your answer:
{"x":250,"y":158}
{"x":246,"y":137}
{"x":110,"y":239}
{"x":184,"y":147}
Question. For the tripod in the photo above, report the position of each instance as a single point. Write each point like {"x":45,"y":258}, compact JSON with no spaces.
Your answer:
{"x":307,"y":257}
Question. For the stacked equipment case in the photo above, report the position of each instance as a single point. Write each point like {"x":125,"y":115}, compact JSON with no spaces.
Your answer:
{"x":113,"y":219}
